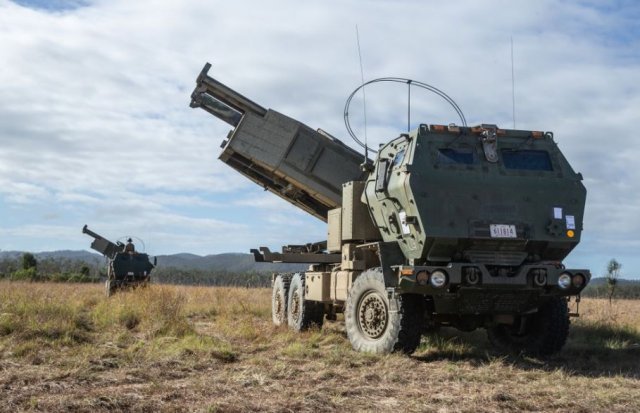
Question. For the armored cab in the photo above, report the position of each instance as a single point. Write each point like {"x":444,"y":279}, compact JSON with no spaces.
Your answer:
{"x":126,"y":267}
{"x":445,"y":194}
{"x":453,"y":226}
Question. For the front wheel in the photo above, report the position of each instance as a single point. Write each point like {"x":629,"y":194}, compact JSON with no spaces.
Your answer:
{"x":377,"y":324}
{"x":542,"y":333}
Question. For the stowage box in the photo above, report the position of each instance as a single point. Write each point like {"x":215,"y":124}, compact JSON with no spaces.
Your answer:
{"x":356,"y":221}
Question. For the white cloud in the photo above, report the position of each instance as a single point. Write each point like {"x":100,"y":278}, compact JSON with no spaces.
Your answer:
{"x":95,"y":123}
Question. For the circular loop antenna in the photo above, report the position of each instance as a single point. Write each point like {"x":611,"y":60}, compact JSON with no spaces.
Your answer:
{"x":409,"y":82}
{"x":137,"y":241}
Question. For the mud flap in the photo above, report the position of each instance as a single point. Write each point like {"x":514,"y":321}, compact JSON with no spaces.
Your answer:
{"x":390,"y":255}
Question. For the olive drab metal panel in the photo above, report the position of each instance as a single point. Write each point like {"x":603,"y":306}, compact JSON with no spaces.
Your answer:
{"x":286,"y":157}
{"x":317,"y":286}
{"x":479,"y":195}
{"x":356,"y":220}
{"x":334,"y":231}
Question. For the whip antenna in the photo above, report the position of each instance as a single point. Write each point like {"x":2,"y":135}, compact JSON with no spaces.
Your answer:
{"x":364,"y":99}
{"x":409,"y":105}
{"x":513,"y":88}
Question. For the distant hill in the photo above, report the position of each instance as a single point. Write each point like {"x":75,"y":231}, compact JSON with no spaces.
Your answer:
{"x":84,"y":256}
{"x":230,"y":262}
{"x":603,"y":281}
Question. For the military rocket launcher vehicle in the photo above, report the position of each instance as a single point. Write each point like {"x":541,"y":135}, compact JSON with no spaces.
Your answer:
{"x":450,"y":225}
{"x":126,"y":267}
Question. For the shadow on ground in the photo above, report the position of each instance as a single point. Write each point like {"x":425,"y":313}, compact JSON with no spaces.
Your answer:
{"x":591,"y":351}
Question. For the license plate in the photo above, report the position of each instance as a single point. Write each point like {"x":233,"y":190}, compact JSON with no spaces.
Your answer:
{"x":502,"y":231}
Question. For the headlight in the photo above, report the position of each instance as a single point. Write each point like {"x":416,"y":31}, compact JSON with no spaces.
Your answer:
{"x":564,"y":281}
{"x":578,"y":280}
{"x":438,"y":279}
{"x":422,"y":277}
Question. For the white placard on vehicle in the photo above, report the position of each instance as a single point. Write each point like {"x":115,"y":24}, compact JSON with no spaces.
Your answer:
{"x":502,"y":231}
{"x":571,"y":222}
{"x":557,"y":213}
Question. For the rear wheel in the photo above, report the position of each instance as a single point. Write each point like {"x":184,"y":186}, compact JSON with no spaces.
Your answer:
{"x":279,"y":299}
{"x":542,"y":333}
{"x":110,"y":285}
{"x":109,"y":288}
{"x":302,"y":314}
{"x":377,"y":324}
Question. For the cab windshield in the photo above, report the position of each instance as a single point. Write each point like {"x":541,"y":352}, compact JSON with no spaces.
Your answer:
{"x":464,"y":156}
{"x":529,"y":160}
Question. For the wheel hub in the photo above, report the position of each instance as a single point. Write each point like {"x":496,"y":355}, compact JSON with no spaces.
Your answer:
{"x":295,"y":306}
{"x":279,"y":307}
{"x":372,"y":315}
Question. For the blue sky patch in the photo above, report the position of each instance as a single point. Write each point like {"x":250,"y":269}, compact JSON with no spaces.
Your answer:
{"x":53,"y":5}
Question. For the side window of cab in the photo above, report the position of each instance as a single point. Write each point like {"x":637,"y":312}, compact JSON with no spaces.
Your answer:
{"x":399,"y":157}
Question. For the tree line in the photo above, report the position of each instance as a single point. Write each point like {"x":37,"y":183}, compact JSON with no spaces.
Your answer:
{"x":28,"y":268}
{"x":612,"y":288}
{"x":170,"y":275}
{"x":630,"y":291}
{"x":59,"y":269}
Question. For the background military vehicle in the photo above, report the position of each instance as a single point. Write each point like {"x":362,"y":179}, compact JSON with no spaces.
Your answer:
{"x":126,"y":267}
{"x":449,"y":226}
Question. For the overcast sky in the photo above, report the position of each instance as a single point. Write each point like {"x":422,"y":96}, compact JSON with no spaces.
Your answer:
{"x":95,"y":124}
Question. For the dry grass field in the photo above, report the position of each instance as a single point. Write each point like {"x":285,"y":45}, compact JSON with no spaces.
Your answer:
{"x":68,"y":348}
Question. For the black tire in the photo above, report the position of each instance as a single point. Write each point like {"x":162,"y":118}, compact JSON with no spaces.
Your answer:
{"x":110,"y":284}
{"x":279,"y":296}
{"x":376,"y":324}
{"x":109,"y":288}
{"x":544,"y":332}
{"x":302,"y":314}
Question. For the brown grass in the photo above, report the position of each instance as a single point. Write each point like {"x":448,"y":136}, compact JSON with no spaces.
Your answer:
{"x":205,"y":349}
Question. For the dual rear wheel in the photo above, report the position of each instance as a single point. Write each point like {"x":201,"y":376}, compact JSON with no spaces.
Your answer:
{"x":375,"y":322}
{"x":288,"y":305}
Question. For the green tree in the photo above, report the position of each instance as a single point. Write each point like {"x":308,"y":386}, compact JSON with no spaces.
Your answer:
{"x":29,"y":261}
{"x":613,"y":273}
{"x":8,"y":266}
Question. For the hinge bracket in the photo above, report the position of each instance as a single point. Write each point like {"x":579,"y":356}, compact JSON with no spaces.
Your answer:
{"x":490,"y":142}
